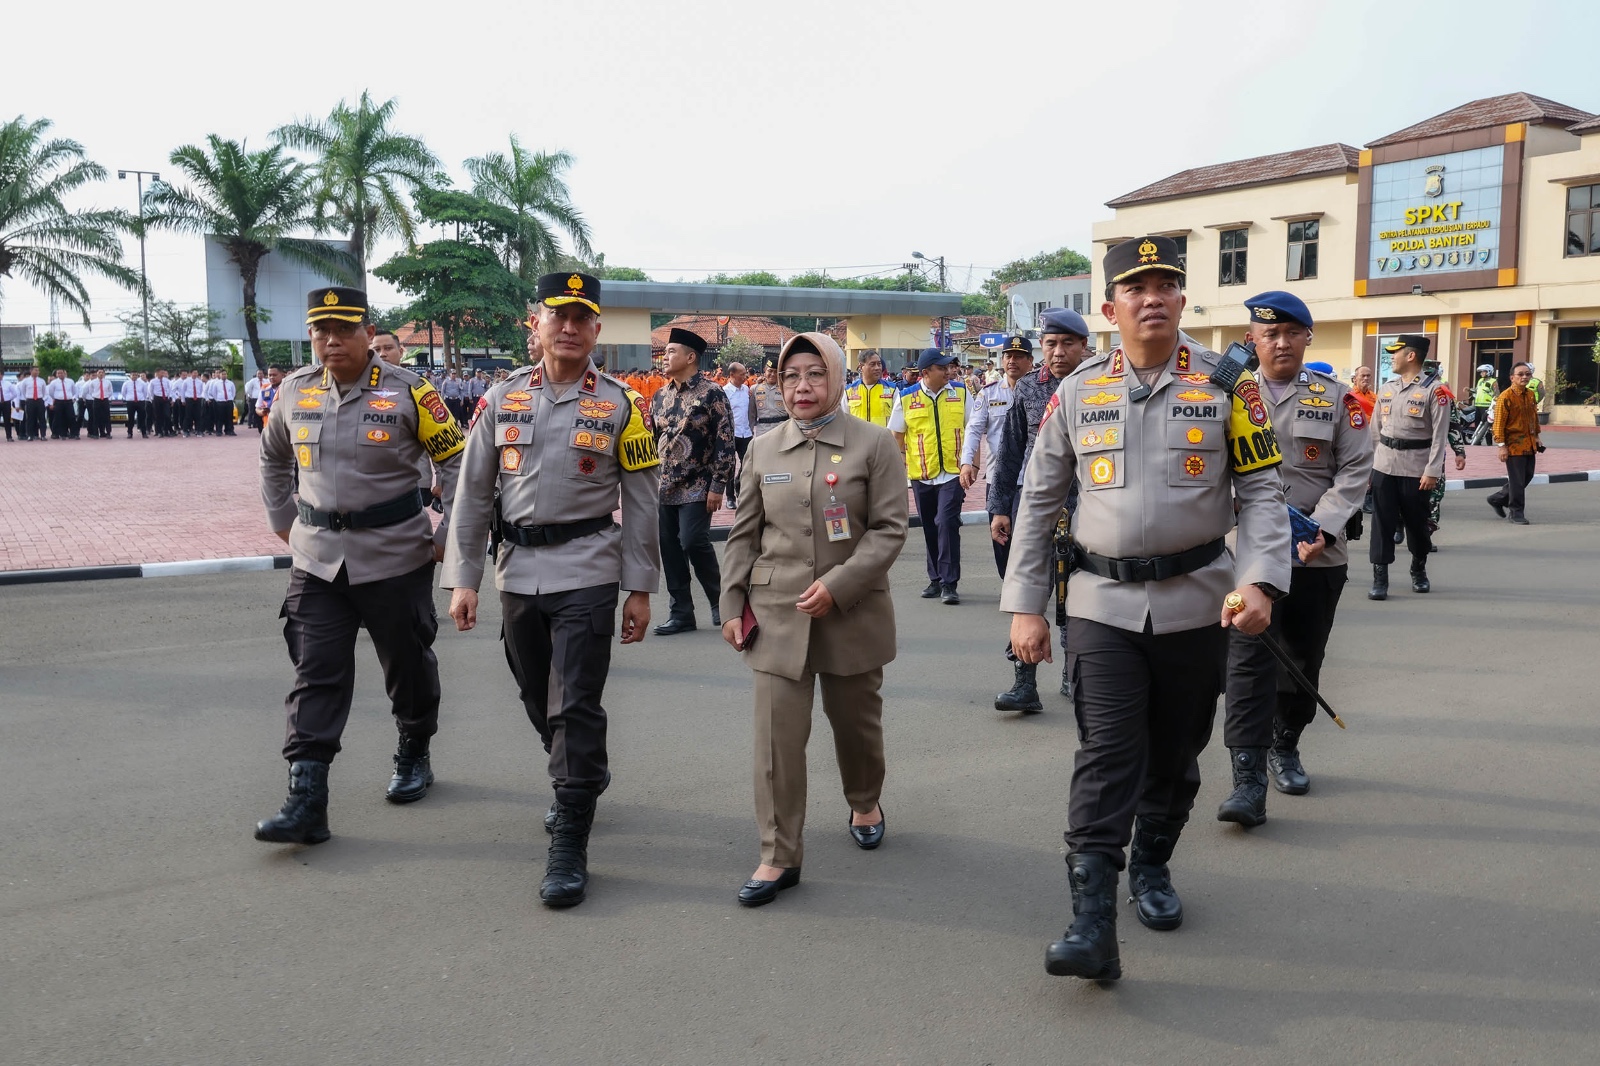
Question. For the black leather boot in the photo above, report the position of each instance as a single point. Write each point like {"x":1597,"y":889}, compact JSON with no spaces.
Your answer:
{"x":1024,"y":694}
{"x":550,"y":815}
{"x":1283,"y":760}
{"x":1088,"y":948}
{"x":566,"y":871}
{"x":1419,"y":576}
{"x":1380,"y":582}
{"x":304,"y":817}
{"x":1149,"y":880}
{"x":1247,"y":804}
{"x":413,"y":772}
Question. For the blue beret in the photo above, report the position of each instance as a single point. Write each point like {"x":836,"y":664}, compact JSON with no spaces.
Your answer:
{"x":1063,"y":320}
{"x":1278,"y":306}
{"x":1326,"y":368}
{"x":933,"y":357}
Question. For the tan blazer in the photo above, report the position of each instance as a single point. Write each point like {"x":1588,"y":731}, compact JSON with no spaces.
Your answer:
{"x":779,"y":545}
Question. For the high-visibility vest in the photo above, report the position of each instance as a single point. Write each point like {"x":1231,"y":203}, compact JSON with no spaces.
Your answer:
{"x":870,"y":403}
{"x":1483,"y":393}
{"x":934,"y":425}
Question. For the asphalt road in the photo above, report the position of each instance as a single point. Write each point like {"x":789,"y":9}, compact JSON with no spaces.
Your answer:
{"x":1431,"y":901}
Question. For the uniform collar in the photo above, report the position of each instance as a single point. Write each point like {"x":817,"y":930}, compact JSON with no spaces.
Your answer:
{"x":832,"y":433}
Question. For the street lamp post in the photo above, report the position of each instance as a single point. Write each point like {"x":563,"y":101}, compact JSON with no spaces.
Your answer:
{"x":938,"y":262}
{"x":144,"y":278}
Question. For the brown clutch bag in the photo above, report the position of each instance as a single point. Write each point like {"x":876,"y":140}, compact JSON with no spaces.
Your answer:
{"x":751,"y":628}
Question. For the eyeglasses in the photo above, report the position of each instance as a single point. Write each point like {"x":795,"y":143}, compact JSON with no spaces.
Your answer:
{"x":814,"y":378}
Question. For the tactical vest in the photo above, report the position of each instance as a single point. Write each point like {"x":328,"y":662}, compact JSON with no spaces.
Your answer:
{"x":934,"y":425}
{"x":1483,"y":393}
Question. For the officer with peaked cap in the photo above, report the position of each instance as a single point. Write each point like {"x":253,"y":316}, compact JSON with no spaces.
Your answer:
{"x":1166,"y":438}
{"x":364,"y":550}
{"x":1327,"y":449}
{"x":1065,"y":341}
{"x":987,"y":423}
{"x":1411,"y":421}
{"x":560,"y":444}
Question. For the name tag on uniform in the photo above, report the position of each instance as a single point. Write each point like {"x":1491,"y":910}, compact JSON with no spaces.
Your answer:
{"x":837,"y":520}
{"x":775,"y":479}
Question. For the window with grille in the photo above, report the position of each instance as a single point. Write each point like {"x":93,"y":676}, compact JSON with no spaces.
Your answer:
{"x":1302,"y":250}
{"x":1231,"y":265}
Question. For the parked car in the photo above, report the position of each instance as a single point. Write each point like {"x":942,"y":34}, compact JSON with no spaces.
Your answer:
{"x":119,"y":403}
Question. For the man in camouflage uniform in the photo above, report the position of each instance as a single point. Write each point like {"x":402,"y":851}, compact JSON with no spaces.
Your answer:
{"x":353,"y":430}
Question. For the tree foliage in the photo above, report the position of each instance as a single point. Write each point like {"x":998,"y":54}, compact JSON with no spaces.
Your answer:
{"x":532,"y":185}
{"x":463,"y":284}
{"x":1061,"y":263}
{"x":181,"y":338}
{"x":42,"y":242}
{"x":254,"y":202}
{"x":740,"y":349}
{"x":56,"y":351}
{"x":362,"y":171}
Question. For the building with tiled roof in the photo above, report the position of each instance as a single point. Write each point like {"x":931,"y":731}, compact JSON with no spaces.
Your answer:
{"x":770,"y":335}
{"x":1478,"y":227}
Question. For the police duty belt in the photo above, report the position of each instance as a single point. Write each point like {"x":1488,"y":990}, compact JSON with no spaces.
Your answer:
{"x":388,"y":513}
{"x":545,"y":536}
{"x":1156,"y":568}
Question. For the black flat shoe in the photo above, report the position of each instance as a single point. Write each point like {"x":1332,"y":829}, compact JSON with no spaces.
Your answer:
{"x":675,"y":625}
{"x":868,"y":837}
{"x":933,"y":589}
{"x":756,"y":893}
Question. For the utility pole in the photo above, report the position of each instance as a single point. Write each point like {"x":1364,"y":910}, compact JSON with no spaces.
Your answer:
{"x":144,"y":278}
{"x":939,"y":262}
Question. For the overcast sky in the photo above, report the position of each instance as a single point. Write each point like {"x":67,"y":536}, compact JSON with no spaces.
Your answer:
{"x":840,"y":134}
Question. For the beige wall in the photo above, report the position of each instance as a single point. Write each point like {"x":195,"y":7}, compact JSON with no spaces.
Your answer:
{"x":625,"y":325}
{"x":1552,"y":291}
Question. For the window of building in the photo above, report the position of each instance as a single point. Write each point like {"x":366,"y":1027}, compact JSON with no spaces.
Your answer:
{"x":1077,"y":302}
{"x":1577,"y":372}
{"x":1183,"y":250}
{"x":1039,"y":309}
{"x":1231,"y":268}
{"x":1302,"y":250}
{"x":1583,"y":221}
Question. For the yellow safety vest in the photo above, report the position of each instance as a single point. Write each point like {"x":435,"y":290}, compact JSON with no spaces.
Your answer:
{"x":870,"y":403}
{"x":934,"y":425}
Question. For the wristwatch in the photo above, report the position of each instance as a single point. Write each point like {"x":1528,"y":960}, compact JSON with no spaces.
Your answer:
{"x":1274,"y":593}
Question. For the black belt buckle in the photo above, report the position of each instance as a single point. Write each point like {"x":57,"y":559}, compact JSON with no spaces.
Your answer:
{"x":338,"y":521}
{"x":1131,"y":569}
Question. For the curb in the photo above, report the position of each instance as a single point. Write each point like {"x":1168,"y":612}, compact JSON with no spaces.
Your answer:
{"x":200,"y":567}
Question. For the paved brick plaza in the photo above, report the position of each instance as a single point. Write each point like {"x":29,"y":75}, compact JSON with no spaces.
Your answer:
{"x":120,"y":501}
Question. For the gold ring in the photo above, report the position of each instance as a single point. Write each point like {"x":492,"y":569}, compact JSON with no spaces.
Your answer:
{"x":1234,"y":602}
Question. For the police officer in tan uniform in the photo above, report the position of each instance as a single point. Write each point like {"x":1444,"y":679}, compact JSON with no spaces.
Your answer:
{"x":1327,"y":449}
{"x":364,"y":549}
{"x":561,"y":442}
{"x":1411,"y":421}
{"x":1164,"y":437}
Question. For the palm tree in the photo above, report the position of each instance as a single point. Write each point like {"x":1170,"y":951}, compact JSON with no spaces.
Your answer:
{"x":43,"y":243}
{"x":533,"y":185}
{"x":361,"y":170}
{"x":252,"y":201}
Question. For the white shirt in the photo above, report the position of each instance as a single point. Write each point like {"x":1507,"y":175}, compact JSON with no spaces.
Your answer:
{"x":85,"y":388}
{"x":221,"y":389}
{"x":987,"y":422}
{"x":61,"y":390}
{"x":161,"y":387}
{"x":8,"y":392}
{"x":252,"y":388}
{"x":32,"y":388}
{"x":739,"y":400}
{"x":137,"y":389}
{"x":897,"y":424}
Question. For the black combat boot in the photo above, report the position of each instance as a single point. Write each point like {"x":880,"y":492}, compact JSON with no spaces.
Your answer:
{"x":1088,"y":948}
{"x":1247,"y":804}
{"x":566,"y":872}
{"x":1419,"y":575}
{"x":304,"y":817}
{"x":1149,"y":880}
{"x":550,"y":815}
{"x":1283,"y":759}
{"x":1024,"y":694}
{"x":413,"y":772}
{"x":1380,"y":582}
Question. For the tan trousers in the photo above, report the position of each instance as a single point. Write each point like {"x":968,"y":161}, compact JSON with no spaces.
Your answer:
{"x":854,"y":706}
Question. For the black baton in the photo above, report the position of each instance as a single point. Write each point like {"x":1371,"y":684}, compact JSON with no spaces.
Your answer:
{"x":1235,"y":602}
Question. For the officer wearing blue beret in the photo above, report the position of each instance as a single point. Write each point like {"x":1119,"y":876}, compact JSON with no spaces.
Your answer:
{"x":1327,"y":450}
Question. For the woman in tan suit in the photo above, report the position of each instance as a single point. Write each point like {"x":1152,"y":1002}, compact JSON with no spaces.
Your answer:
{"x":822,"y":517}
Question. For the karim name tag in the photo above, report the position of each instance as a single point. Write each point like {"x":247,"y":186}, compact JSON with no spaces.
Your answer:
{"x":774,"y":479}
{"x":838,"y":521}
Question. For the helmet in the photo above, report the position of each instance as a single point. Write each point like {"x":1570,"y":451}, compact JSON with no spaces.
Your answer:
{"x":1485,"y":368}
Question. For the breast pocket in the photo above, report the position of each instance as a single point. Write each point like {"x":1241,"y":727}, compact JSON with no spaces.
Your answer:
{"x":1313,"y":444}
{"x":1195,"y":451}
{"x":375,"y":448}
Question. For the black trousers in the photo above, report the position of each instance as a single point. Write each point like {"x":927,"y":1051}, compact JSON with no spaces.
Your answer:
{"x":1398,"y":502}
{"x":1259,"y":689}
{"x":161,"y":415}
{"x":33,"y":419}
{"x":63,"y":423}
{"x":1144,"y":706}
{"x":740,"y":446}
{"x":558,"y":646}
{"x":686,"y":542}
{"x":5,"y":416}
{"x":99,"y":418}
{"x":939,"y":508}
{"x":1519,"y":471}
{"x":139,"y":417}
{"x":320,"y":623}
{"x":222,"y":417}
